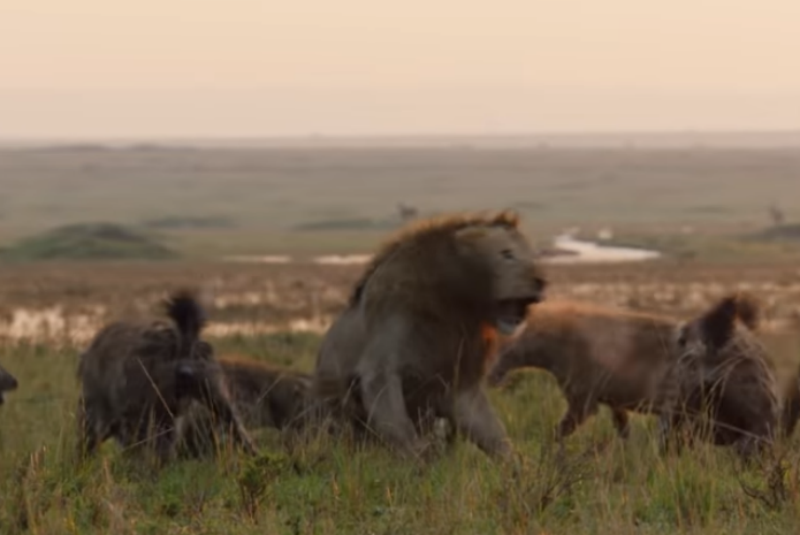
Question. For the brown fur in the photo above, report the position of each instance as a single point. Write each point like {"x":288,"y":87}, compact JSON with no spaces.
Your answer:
{"x":411,"y":345}
{"x":648,"y":363}
{"x":737,"y":385}
{"x":597,"y":355}
{"x":138,"y":379}
{"x":791,"y":405}
{"x":7,"y":383}
{"x":265,"y":395}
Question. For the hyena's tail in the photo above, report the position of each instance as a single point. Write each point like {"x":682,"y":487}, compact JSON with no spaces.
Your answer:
{"x":791,"y":406}
{"x":189,"y":317}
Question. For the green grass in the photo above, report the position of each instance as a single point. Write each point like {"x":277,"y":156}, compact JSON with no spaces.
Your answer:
{"x":88,"y":241}
{"x":724,"y":249}
{"x":602,"y":485}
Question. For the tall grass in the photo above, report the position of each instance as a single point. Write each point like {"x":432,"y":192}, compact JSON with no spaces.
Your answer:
{"x":597,"y":484}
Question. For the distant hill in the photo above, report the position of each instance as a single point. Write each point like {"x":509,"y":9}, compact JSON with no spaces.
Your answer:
{"x":784,"y":233}
{"x":347,"y":225}
{"x":180,"y":223}
{"x":88,"y":241}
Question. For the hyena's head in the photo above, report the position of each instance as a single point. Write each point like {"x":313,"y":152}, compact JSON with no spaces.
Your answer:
{"x":7,"y":383}
{"x":720,"y":331}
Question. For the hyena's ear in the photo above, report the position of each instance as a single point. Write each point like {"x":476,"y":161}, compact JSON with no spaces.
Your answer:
{"x":748,"y":310}
{"x":718,"y":324}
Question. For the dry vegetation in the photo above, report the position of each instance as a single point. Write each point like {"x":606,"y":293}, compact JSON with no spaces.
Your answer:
{"x":217,"y":201}
{"x":600,"y":486}
{"x":210,"y":203}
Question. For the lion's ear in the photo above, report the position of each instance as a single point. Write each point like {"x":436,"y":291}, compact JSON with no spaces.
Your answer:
{"x":471,"y":234}
{"x":507,"y":218}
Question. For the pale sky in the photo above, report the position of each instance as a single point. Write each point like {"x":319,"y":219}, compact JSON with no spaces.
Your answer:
{"x":162,"y":68}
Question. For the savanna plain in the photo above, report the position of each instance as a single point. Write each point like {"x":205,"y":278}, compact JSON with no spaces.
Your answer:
{"x":724,"y":220}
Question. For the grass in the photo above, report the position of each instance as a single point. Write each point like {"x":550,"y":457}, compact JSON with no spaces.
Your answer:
{"x":710,"y":247}
{"x":602,"y":485}
{"x":215,"y":202}
{"x":88,"y":241}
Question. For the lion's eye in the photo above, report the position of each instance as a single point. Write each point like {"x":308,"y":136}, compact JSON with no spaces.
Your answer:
{"x":508,"y":254}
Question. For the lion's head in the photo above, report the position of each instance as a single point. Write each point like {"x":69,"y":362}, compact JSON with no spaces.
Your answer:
{"x":516,"y":280}
{"x":7,"y":383}
{"x":475,"y":265}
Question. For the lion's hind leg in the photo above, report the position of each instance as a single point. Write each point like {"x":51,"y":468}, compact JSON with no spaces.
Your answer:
{"x":476,"y":419}
{"x":382,"y":395}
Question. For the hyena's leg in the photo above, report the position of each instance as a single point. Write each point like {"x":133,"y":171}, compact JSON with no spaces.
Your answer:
{"x":676,"y":431}
{"x":621,"y":423}
{"x":577,"y":412}
{"x":92,"y":428}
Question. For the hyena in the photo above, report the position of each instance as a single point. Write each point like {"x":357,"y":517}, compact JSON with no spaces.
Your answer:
{"x":265,"y":396}
{"x":8,"y":383}
{"x":710,"y":366}
{"x":735,"y":387}
{"x":597,"y":355}
{"x":139,"y":379}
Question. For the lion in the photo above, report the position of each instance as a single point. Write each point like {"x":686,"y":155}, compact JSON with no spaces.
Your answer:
{"x":8,"y":383}
{"x":634,"y":361}
{"x":411,"y":345}
{"x":138,"y":379}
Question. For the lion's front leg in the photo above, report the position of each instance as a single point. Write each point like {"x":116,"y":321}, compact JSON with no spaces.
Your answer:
{"x":477,"y":420}
{"x":382,"y":394}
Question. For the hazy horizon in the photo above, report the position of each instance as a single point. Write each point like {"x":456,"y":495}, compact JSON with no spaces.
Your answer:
{"x":90,"y":69}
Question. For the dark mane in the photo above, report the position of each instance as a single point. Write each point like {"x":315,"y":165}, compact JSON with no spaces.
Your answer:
{"x":422,"y":229}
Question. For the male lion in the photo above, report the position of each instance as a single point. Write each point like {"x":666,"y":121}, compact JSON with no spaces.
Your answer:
{"x":411,"y":344}
{"x":138,"y":379}
{"x":7,"y":383}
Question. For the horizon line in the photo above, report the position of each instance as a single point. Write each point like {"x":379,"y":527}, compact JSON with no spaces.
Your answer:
{"x":689,"y":136}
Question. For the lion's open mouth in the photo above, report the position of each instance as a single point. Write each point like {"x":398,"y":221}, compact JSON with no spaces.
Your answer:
{"x":512,"y":312}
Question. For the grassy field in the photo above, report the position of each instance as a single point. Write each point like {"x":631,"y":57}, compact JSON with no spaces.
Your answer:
{"x":602,"y":485}
{"x":698,"y":205}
